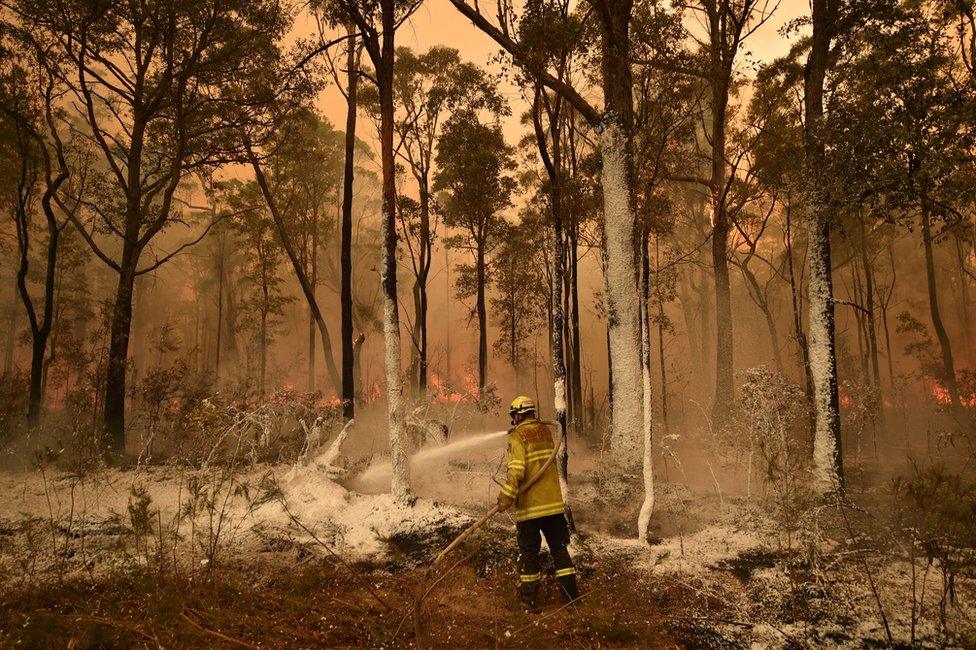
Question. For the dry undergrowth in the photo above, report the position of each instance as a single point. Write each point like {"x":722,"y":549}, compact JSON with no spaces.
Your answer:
{"x":295,"y":598}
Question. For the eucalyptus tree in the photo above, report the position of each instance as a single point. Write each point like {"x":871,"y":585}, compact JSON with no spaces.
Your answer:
{"x":428,"y":87}
{"x":827,"y":455}
{"x":777,"y":163}
{"x":326,"y":13}
{"x":615,"y":121}
{"x":726,"y":24}
{"x":33,"y":146}
{"x":914,"y":147}
{"x":262,"y":300}
{"x":519,"y":303}
{"x":377,"y":23}
{"x":663,"y":127}
{"x":161,"y":90}
{"x":475,"y":175}
{"x":551,"y":32}
{"x":305,"y":169}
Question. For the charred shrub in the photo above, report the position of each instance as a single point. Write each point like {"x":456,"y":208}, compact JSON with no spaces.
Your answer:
{"x":772,"y":413}
{"x":13,"y":404}
{"x":935,"y":517}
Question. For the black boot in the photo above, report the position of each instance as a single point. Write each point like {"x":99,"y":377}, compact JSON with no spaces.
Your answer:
{"x":568,"y":587}
{"x":529,"y":595}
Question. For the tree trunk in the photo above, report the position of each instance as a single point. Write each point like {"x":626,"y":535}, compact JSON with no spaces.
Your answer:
{"x":313,"y":277}
{"x":348,"y":393}
{"x":263,"y":376}
{"x":889,"y":355}
{"x":447,"y":312}
{"x":307,"y":289}
{"x":482,"y":318}
{"x":576,"y":361}
{"x":722,"y":402}
{"x":8,"y":358}
{"x":220,"y":315}
{"x":964,"y":303}
{"x":567,"y":335}
{"x":760,"y":299}
{"x":647,"y":506}
{"x":400,"y":484}
{"x":827,"y":456}
{"x":801,"y":337}
{"x":118,"y":354}
{"x":872,"y":328}
{"x":556,"y":286}
{"x":40,"y":327}
{"x":230,"y":321}
{"x":948,"y":368}
{"x":664,"y":374}
{"x":420,"y":287}
{"x":622,"y":308}
{"x":889,"y":352}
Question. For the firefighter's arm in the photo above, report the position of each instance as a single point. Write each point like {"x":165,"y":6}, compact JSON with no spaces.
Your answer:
{"x":516,"y":472}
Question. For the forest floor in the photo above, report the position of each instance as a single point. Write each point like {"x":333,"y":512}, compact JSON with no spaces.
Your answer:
{"x":273,"y":556}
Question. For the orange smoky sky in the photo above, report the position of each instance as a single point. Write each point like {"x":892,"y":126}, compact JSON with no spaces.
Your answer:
{"x":437,"y":22}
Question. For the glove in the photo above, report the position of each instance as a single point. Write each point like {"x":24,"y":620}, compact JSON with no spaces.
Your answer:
{"x":504,"y":502}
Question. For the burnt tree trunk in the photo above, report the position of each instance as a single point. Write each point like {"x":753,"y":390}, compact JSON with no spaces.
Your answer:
{"x":481,"y":312}
{"x":557,"y":280}
{"x":118,"y":352}
{"x":348,"y":393}
{"x":40,"y":327}
{"x":722,"y":401}
{"x":798,"y":333}
{"x":575,"y":366}
{"x":313,"y":277}
{"x":307,"y":289}
{"x":872,"y":327}
{"x":420,"y":287}
{"x":948,"y":367}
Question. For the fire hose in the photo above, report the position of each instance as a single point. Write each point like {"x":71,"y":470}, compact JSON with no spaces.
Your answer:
{"x":423,"y":590}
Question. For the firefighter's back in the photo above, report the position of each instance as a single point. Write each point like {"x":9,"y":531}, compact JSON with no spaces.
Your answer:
{"x":544,"y":497}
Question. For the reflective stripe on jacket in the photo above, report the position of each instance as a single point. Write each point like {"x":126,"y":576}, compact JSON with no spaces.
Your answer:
{"x":529,"y":446}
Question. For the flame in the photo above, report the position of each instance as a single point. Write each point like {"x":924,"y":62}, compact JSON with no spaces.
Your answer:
{"x":941,"y":395}
{"x":845,"y":399}
{"x":328,"y":402}
{"x":441,"y":392}
{"x":470,"y":384}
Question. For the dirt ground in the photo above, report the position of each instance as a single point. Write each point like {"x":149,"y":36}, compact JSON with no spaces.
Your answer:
{"x":281,"y":556}
{"x":294,"y":598}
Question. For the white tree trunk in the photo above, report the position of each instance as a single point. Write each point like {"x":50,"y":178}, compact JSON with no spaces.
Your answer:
{"x":623,"y":319}
{"x":823,"y":367}
{"x":400,"y":470}
{"x":559,"y":367}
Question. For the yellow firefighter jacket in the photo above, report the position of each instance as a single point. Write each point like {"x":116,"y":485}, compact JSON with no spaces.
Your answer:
{"x":529,"y":445}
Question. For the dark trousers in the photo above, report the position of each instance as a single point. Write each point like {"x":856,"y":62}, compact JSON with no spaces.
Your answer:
{"x":557,"y":538}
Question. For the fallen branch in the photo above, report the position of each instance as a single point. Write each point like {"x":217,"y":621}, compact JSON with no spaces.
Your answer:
{"x":122,"y":625}
{"x":431,"y":587}
{"x":553,"y":612}
{"x":215,"y":633}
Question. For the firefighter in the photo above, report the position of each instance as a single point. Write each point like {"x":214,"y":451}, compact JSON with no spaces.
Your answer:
{"x":540,"y":510}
